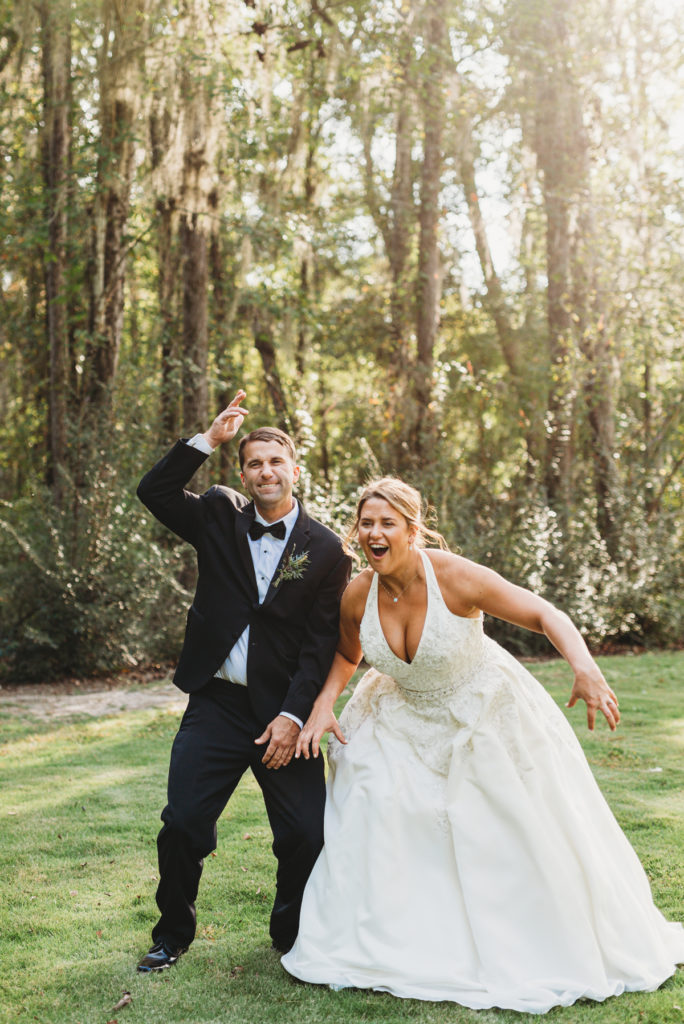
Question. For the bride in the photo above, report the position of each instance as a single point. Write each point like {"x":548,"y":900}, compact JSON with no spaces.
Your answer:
{"x":469,"y":854}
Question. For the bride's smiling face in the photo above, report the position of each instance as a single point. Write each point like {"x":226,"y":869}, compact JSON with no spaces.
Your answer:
{"x":384,"y":535}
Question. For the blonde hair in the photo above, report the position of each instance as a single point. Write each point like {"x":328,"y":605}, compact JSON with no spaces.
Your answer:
{"x":406,"y":500}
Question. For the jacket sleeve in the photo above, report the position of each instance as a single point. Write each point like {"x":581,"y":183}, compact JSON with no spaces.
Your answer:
{"x":319,"y":642}
{"x":162,"y":491}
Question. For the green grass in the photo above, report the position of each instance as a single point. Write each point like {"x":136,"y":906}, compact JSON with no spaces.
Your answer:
{"x":79,"y":805}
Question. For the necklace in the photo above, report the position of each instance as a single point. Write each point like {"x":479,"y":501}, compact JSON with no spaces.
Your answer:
{"x":388,"y":591}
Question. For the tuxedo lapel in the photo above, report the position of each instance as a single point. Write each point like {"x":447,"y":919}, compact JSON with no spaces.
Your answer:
{"x":243,"y":520}
{"x":297,"y":543}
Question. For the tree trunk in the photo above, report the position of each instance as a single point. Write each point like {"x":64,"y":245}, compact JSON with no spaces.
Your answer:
{"x":600,"y":371}
{"x":395,"y":218}
{"x":323,"y":434}
{"x":561,"y":402}
{"x":517,"y":360}
{"x":599,"y":395}
{"x":429,"y":283}
{"x":561,"y":146}
{"x":263,"y":342}
{"x":56,"y":38}
{"x":576,"y":305}
{"x":168,"y":266}
{"x":162,"y":131}
{"x":119,"y":103}
{"x":198,"y":200}
{"x":195,"y":337}
{"x":221,"y":307}
{"x":398,"y":239}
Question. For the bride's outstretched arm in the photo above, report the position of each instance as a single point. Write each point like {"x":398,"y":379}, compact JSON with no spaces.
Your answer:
{"x":480,"y":587}
{"x":590,"y":684}
{"x":322,"y":718}
{"x":523,"y":608}
{"x":347,"y":657}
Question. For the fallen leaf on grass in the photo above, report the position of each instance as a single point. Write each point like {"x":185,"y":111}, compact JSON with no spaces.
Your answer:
{"x":246,"y":836}
{"x":235,"y":972}
{"x":126,"y":998}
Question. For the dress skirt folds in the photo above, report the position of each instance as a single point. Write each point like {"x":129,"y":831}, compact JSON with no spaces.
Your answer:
{"x":469,"y":854}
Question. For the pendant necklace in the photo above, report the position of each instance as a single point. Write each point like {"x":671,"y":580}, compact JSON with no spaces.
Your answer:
{"x":388,"y":591}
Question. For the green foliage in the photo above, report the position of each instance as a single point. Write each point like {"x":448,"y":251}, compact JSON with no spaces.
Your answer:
{"x":89,"y":587}
{"x":313,"y":229}
{"x":507,"y":525}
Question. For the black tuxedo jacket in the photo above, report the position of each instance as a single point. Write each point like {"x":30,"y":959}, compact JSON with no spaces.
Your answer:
{"x":293,"y":634}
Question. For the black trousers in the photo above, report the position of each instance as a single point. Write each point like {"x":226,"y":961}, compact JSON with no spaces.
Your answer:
{"x":213,"y":749}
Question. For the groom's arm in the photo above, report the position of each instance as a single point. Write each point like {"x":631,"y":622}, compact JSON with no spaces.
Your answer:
{"x":162,"y":490}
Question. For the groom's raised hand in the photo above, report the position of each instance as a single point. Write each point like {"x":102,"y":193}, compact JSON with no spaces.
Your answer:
{"x":281,"y":735}
{"x":227,"y":423}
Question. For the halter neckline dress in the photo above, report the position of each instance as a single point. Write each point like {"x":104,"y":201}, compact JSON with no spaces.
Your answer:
{"x":469,"y":854}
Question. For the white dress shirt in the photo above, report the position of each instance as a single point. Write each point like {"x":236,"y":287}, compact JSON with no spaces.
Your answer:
{"x":266,"y":552}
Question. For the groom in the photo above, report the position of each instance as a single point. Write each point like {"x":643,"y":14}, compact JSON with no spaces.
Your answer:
{"x":260,"y":638}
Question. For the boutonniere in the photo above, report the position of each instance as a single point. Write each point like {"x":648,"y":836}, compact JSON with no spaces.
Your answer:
{"x":292,"y":568}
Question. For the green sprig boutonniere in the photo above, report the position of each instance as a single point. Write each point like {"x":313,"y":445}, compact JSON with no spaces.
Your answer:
{"x":292,"y":568}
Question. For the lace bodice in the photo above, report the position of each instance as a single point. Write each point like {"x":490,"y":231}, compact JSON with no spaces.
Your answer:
{"x":450,"y":651}
{"x":459,"y":681}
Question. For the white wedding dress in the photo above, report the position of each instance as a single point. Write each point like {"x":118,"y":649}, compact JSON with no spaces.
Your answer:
{"x":469,"y":854}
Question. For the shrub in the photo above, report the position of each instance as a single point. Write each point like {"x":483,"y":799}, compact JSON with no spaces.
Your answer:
{"x":88,"y":587}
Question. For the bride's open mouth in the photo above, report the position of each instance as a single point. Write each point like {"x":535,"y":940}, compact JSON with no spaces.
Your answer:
{"x":378,"y":550}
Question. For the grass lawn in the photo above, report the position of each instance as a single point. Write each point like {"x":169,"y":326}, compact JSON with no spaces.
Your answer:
{"x":79,"y":804}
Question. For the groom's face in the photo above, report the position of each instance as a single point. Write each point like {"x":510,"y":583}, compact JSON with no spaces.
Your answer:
{"x":269,"y":474}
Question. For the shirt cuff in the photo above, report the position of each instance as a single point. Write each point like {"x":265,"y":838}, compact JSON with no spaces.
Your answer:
{"x":200,"y":442}
{"x":293,"y":718}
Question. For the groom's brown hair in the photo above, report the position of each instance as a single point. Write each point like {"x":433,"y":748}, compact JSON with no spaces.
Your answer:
{"x":268,"y":434}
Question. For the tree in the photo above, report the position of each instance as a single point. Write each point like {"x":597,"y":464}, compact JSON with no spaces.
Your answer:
{"x":408,"y":93}
{"x":119,"y":72}
{"x":56,"y":64}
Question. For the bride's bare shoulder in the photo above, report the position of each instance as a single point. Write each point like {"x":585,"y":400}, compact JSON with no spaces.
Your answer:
{"x":449,"y":566}
{"x":446,"y":561}
{"x":456,"y":577}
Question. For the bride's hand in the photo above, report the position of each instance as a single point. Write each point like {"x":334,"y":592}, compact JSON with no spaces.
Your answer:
{"x":591,"y":687}
{"x":317,"y":724}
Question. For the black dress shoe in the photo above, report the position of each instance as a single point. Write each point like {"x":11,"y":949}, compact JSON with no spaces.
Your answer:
{"x":282,"y":947}
{"x":160,"y":957}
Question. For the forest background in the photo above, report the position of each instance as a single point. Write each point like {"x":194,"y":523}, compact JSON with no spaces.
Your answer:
{"x":437,"y":238}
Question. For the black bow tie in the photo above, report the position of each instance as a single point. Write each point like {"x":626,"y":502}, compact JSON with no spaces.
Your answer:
{"x":258,"y":529}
